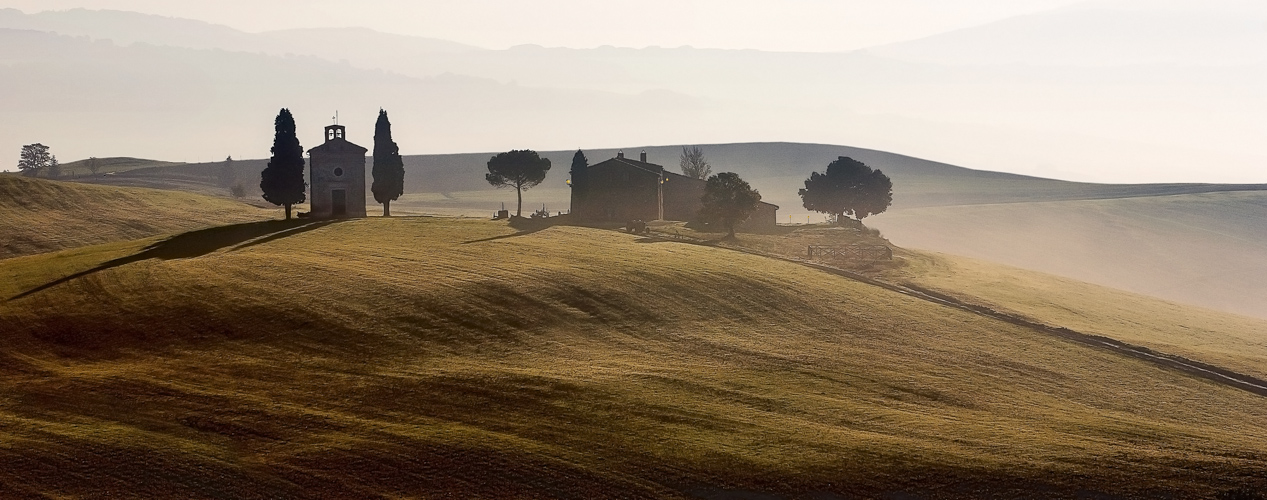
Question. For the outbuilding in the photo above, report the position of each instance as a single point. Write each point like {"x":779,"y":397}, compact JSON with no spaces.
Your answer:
{"x":623,"y":189}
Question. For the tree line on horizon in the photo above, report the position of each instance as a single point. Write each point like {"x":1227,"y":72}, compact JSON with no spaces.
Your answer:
{"x":847,"y":188}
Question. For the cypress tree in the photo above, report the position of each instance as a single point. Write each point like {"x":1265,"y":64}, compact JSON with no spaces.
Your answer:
{"x":283,"y":180}
{"x":389,"y":168}
{"x":579,"y":164}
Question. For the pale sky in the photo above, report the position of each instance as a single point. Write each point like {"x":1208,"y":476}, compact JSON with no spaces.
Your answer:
{"x":785,"y":25}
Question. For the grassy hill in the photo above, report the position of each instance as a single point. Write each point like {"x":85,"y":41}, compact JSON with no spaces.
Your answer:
{"x":1227,"y":340}
{"x":778,"y":170}
{"x":453,"y":184}
{"x":1204,"y":249}
{"x":43,"y":216}
{"x":419,"y":357}
{"x":1200,"y":244}
{"x":111,"y":166}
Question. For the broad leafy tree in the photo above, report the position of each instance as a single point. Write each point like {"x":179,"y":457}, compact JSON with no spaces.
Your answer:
{"x":34,"y":159}
{"x":389,"y":168}
{"x":282,"y":181}
{"x":520,"y":169}
{"x":848,"y":187}
{"x":693,"y":163}
{"x":729,"y":200}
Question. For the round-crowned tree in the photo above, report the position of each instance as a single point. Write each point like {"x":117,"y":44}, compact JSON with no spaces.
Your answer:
{"x":729,"y":200}
{"x":35,"y":158}
{"x":282,"y":181}
{"x":520,"y":169}
{"x":848,"y":187}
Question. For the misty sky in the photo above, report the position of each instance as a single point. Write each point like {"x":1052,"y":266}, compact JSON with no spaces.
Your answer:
{"x":1090,"y":90}
{"x":791,"y":25}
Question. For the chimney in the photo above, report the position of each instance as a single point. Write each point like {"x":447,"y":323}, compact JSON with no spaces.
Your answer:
{"x":620,"y":154}
{"x":644,"y":157}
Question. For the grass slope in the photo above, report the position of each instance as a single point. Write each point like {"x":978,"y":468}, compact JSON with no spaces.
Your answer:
{"x":1227,"y":340}
{"x":1205,"y":249}
{"x":43,"y":216}
{"x":111,"y":166}
{"x":427,"y":357}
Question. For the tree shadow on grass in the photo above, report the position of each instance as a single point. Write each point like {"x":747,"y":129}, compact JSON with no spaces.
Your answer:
{"x":687,"y":240}
{"x":524,"y":226}
{"x":199,"y":243}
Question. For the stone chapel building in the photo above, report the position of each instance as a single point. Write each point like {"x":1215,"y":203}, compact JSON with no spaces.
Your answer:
{"x":337,"y":177}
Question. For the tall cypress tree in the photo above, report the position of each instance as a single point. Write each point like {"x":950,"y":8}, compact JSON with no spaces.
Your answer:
{"x":283,"y":180}
{"x":579,"y":164}
{"x":389,"y":168}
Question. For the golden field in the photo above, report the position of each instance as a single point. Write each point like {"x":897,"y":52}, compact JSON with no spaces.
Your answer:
{"x":43,"y":216}
{"x":456,"y":358}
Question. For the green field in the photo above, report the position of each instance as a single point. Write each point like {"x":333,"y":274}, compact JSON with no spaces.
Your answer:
{"x":436,"y":357}
{"x":43,"y":216}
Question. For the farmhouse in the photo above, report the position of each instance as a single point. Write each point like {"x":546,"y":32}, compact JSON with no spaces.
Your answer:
{"x":337,"y":173}
{"x":622,"y":189}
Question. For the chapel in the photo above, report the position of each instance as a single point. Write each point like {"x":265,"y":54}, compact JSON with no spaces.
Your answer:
{"x":337,"y":177}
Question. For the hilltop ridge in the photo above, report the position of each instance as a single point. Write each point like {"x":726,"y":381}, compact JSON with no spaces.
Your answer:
{"x":43,"y":216}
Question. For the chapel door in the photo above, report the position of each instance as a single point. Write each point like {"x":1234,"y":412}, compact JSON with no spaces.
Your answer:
{"x":339,"y":203}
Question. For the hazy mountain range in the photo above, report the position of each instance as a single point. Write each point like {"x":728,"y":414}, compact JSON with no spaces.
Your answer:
{"x":1110,"y":100}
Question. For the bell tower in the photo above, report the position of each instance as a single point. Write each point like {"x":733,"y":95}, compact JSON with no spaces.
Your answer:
{"x":335,"y":132}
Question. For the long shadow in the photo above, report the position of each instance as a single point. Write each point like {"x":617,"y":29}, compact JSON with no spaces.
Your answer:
{"x":198,"y":243}
{"x":525,"y":226}
{"x":286,"y":233}
{"x":684,"y":239}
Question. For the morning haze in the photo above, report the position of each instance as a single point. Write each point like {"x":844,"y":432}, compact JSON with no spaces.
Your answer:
{"x":699,"y":249}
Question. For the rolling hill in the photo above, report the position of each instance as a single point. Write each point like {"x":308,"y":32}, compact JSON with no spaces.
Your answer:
{"x":109,"y":166}
{"x":423,"y":357}
{"x":777,"y":169}
{"x":1234,"y":341}
{"x":44,"y":216}
{"x":1194,"y":243}
{"x":1207,"y":249}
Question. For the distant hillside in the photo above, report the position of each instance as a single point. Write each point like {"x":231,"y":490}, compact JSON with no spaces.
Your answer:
{"x":210,"y":91}
{"x":1104,"y":34}
{"x":110,"y":166}
{"x":43,"y":216}
{"x":1220,"y":338}
{"x":1207,"y":249}
{"x":126,"y":28}
{"x":432,"y":358}
{"x":778,"y":170}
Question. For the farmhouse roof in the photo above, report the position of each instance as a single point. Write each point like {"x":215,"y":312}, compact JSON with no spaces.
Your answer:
{"x":656,"y":169}
{"x":641,"y":165}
